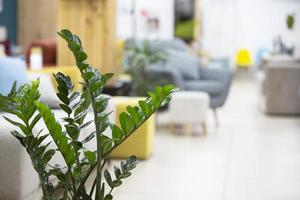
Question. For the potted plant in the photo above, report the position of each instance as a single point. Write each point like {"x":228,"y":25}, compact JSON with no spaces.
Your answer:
{"x":139,"y":55}
{"x":70,"y":180}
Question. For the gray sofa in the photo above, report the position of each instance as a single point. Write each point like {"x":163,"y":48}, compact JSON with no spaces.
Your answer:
{"x":184,"y":70}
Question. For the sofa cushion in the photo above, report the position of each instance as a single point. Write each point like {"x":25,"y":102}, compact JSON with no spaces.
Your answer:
{"x":211,"y":87}
{"x":46,"y":89}
{"x":188,"y":65}
{"x":12,"y":70}
{"x":174,"y":44}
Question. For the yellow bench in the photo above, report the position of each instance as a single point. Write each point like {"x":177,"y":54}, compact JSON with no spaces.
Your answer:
{"x":71,"y":71}
{"x":140,"y":143}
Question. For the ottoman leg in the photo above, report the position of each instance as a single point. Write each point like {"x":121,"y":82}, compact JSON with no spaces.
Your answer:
{"x":216,"y":117}
{"x":188,"y":129}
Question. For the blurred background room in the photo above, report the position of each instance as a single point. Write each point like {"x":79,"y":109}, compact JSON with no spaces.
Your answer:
{"x":231,"y":131}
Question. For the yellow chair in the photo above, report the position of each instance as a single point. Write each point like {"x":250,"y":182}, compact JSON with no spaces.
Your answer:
{"x":71,"y":71}
{"x":244,"y":58}
{"x":140,"y":143}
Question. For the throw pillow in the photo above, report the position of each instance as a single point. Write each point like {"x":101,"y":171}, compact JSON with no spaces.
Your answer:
{"x":11,"y":70}
{"x":188,"y":65}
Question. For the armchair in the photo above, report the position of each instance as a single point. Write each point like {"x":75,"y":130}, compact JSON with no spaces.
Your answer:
{"x":185,"y":71}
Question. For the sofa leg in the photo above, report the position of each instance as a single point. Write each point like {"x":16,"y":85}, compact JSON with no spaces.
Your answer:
{"x":188,"y":129}
{"x":216,"y":117}
{"x":172,"y":128}
{"x":204,"y":126}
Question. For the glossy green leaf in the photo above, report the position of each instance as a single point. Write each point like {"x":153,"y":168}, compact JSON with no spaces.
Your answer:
{"x":89,"y":137}
{"x":116,"y":183}
{"x":108,"y":178}
{"x":117,"y":172}
{"x":135,"y":114}
{"x":66,"y":108}
{"x":91,"y":156}
{"x":126,"y":123}
{"x":117,"y":133}
{"x":108,"y":197}
{"x":146,"y":109}
{"x":63,"y":98}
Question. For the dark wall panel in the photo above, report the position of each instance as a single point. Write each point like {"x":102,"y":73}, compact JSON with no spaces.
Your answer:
{"x":8,"y":18}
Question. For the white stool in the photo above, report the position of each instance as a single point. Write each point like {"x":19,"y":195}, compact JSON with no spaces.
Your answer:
{"x":189,"y":108}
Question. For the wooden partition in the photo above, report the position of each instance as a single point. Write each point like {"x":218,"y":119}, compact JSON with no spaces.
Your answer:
{"x":37,"y":19}
{"x":94,"y":22}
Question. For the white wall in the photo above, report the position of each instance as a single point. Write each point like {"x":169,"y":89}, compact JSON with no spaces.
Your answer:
{"x":252,"y":24}
{"x":160,"y":9}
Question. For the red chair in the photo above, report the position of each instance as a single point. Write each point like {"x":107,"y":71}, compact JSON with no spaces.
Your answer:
{"x":6,"y":45}
{"x":49,"y":51}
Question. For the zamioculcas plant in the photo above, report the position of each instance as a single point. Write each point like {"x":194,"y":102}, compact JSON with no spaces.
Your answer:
{"x":69,"y":181}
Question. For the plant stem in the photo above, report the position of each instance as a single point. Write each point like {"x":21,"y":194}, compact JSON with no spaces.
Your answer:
{"x":93,"y":166}
{"x":99,"y":152}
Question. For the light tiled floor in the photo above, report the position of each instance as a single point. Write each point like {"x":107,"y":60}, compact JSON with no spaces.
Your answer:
{"x":251,"y":156}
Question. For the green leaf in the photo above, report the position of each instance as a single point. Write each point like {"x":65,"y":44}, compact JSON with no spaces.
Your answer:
{"x":63,"y":98}
{"x":73,"y":131}
{"x":69,"y":120}
{"x":21,"y":126}
{"x":13,"y":90}
{"x":88,"y":75}
{"x":35,"y":120}
{"x":154,"y":99}
{"x":103,"y":121}
{"x":55,"y":130}
{"x":98,"y":85}
{"x":106,"y":77}
{"x":108,"y":197}
{"x":89,"y":137}
{"x":145,"y":108}
{"x":106,"y":143}
{"x":126,"y":122}
{"x":125,"y":175}
{"x":66,"y":108}
{"x":101,"y":103}
{"x":91,"y":156}
{"x":80,"y":115}
{"x":135,"y":114}
{"x":77,"y":145}
{"x":117,"y":172}
{"x":66,"y":34}
{"x":117,"y":133}
{"x":167,"y":89}
{"x":116,"y":183}
{"x":86,"y":124}
{"x":47,"y":156}
{"x":74,"y":96}
{"x":19,"y":137}
{"x":41,"y":139}
{"x":80,"y":56}
{"x":82,"y":66}
{"x":108,"y":179}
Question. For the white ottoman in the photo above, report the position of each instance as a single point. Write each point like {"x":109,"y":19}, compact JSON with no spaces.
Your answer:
{"x":189,"y":108}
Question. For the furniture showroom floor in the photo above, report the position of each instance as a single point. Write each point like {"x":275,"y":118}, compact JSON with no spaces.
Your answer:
{"x":251,"y":156}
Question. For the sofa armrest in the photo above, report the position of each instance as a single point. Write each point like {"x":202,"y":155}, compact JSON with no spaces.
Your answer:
{"x":165,"y":75}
